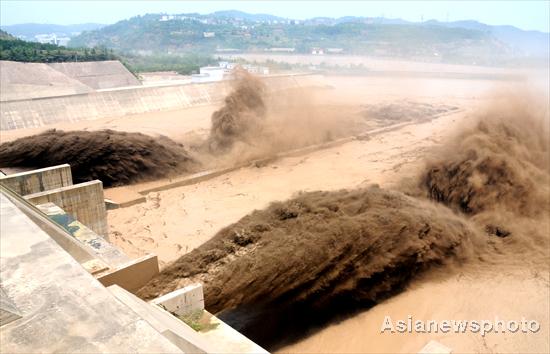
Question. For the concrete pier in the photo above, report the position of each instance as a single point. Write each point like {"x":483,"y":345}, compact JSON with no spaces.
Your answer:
{"x":83,"y":201}
{"x":40,"y":180}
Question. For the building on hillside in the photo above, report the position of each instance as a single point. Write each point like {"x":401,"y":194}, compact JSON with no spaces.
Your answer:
{"x":257,"y":70}
{"x":317,"y":51}
{"x":199,"y":78}
{"x":52,"y":39}
{"x":209,"y":34}
{"x":210,"y":74}
{"x":46,"y":38}
{"x":227,"y":65}
{"x":166,"y":18}
{"x":217,"y":73}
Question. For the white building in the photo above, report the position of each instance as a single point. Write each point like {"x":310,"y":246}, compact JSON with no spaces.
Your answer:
{"x":210,"y":74}
{"x":223,"y":71}
{"x":258,"y":70}
{"x":46,"y":38}
{"x":216,"y":73}
{"x":227,"y":65}
{"x":198,"y":78}
{"x":209,"y":34}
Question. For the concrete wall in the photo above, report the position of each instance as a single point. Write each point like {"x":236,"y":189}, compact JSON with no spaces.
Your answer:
{"x":132,"y":275}
{"x":183,"y":301}
{"x":83,"y":201}
{"x":102,"y":249}
{"x":40,"y":180}
{"x":74,"y":108}
{"x":35,"y":113}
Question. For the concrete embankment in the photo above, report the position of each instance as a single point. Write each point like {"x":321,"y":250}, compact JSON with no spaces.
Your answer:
{"x":33,"y":113}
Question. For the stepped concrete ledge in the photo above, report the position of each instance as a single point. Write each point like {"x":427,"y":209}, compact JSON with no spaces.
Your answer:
{"x":215,"y":337}
{"x":133,"y":274}
{"x":183,"y":301}
{"x":63,"y":308}
{"x":181,"y":334}
{"x":188,"y":304}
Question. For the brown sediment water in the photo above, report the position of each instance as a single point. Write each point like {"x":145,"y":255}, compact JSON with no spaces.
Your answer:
{"x":242,"y":112}
{"x":278,"y":270}
{"x":307,"y":261}
{"x":115,"y":158}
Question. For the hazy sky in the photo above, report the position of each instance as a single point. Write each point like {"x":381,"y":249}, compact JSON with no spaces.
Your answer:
{"x":531,"y":15}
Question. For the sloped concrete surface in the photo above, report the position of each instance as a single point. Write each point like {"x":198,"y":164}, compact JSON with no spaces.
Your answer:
{"x":32,"y":80}
{"x":98,"y":74}
{"x":33,"y":113}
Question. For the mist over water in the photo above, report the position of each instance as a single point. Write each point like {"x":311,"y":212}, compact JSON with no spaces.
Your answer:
{"x":300,"y":264}
{"x":297,"y":265}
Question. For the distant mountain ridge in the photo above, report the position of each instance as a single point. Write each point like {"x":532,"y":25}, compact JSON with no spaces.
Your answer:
{"x":246,"y":16}
{"x":28,"y":31}
{"x":6,"y":36}
{"x":231,"y":30}
{"x":531,"y":42}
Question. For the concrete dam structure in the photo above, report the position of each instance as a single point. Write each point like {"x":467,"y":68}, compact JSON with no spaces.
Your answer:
{"x":39,"y":112}
{"x":66,"y":288}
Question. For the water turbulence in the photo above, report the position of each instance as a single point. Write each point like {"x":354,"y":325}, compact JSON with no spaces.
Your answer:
{"x":116,"y":158}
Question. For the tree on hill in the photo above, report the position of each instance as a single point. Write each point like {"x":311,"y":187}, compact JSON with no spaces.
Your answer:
{"x":17,"y":50}
{"x":6,"y":36}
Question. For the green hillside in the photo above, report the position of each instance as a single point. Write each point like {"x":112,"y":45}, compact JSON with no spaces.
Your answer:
{"x":206,"y":34}
{"x":15,"y":49}
{"x":6,"y":36}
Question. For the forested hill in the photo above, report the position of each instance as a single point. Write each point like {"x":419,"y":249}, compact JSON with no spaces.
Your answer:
{"x":236,"y":31}
{"x":15,"y":49}
{"x":6,"y":36}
